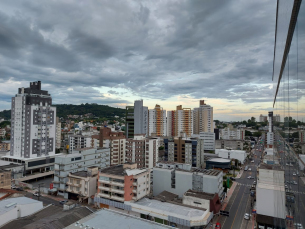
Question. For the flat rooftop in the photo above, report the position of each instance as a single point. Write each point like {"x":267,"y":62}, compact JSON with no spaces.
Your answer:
{"x":10,"y":203}
{"x":201,"y":195}
{"x":109,"y":219}
{"x":165,"y":208}
{"x":81,"y":174}
{"x":118,"y":170}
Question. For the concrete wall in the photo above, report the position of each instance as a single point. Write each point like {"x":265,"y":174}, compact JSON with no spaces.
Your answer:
{"x":28,"y":209}
{"x":270,"y":202}
{"x":162,"y":181}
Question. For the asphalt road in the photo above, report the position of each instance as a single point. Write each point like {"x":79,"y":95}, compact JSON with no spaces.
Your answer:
{"x":44,"y":199}
{"x":242,"y":202}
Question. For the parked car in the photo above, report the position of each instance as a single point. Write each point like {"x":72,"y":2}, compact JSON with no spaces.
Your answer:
{"x":249,"y":169}
{"x":298,"y":226}
{"x":19,"y":189}
{"x":254,"y":182}
{"x":232,"y":178}
{"x":63,"y":202}
{"x":36,"y":194}
{"x":247,"y":216}
{"x":294,"y":174}
{"x":13,"y":187}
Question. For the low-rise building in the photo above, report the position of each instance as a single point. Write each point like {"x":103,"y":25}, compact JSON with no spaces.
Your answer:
{"x":114,"y":219}
{"x":240,"y":155}
{"x":230,"y":133}
{"x":5,"y":179}
{"x":79,"y":160}
{"x":232,"y":144}
{"x":5,"y":146}
{"x":270,"y":197}
{"x":16,"y":170}
{"x":122,"y":183}
{"x":14,"y":208}
{"x":2,"y":133}
{"x":82,"y":184}
{"x":178,"y":178}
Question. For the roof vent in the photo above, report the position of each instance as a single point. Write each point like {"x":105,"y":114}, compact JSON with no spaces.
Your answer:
{"x":10,"y":205}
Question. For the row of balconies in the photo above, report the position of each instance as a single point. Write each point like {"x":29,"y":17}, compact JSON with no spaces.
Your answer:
{"x":110,"y":189}
{"x":74,"y":184}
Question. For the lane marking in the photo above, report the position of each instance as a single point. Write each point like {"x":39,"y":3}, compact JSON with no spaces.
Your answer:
{"x":237,"y":210}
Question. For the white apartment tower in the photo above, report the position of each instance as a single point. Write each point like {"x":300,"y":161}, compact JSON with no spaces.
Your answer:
{"x":157,"y":121}
{"x":180,"y":120}
{"x":203,"y":118}
{"x":33,"y":123}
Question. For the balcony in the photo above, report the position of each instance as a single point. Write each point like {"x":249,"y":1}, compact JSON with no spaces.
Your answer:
{"x":134,"y":183}
{"x":134,"y":190}
{"x":104,"y":195}
{"x":74,"y":184}
{"x":121,"y":199}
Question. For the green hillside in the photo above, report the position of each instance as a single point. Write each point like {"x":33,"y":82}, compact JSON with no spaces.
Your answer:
{"x":101,"y":111}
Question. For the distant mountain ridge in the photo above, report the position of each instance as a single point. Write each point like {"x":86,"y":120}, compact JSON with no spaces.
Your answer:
{"x":70,"y":109}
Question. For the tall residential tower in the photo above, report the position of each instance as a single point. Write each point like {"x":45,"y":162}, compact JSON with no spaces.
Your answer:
{"x":33,"y":123}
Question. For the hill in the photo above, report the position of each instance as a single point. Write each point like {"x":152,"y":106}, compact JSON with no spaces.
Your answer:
{"x":101,"y":111}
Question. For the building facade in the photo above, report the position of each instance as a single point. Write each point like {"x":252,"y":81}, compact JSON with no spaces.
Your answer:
{"x":122,"y":183}
{"x":5,"y":179}
{"x":232,"y":144}
{"x":208,"y":140}
{"x":58,"y":133}
{"x":116,"y":141}
{"x":33,"y":124}
{"x":180,"y":120}
{"x":203,"y":118}
{"x":82,"y":184}
{"x":79,"y":160}
{"x":157,"y":121}
{"x":184,"y":150}
{"x":142,"y":151}
{"x":79,"y":142}
{"x":178,"y":178}
{"x":136,"y":119}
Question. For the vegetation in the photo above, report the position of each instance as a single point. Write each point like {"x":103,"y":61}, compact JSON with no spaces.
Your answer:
{"x":70,"y":109}
{"x":4,"y":124}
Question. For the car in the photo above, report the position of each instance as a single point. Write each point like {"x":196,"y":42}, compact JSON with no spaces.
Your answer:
{"x":13,"y":187}
{"x":286,"y":186}
{"x":63,"y":202}
{"x":252,"y":193}
{"x":218,"y":226}
{"x":249,"y":169}
{"x":249,"y":177}
{"x":294,"y":174}
{"x":247,"y":216}
{"x":36,"y":194}
{"x":254,"y":182}
{"x":19,"y":189}
{"x":295,"y":182}
{"x":298,"y":226}
{"x":252,"y":161}
{"x":232,"y":178}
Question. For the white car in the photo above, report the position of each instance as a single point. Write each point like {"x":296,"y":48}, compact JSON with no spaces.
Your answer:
{"x":294,"y":174}
{"x":247,"y":216}
{"x":249,"y":169}
{"x":298,"y":226}
{"x":252,"y":161}
{"x":36,"y":194}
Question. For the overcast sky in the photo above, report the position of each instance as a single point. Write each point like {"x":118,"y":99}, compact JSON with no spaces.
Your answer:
{"x":164,"y":52}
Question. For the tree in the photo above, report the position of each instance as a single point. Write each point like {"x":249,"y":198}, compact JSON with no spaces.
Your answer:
{"x":248,"y":133}
{"x":257,"y":134}
{"x":252,"y":119}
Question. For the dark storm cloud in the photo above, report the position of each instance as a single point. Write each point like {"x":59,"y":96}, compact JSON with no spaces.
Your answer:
{"x":212,"y":49}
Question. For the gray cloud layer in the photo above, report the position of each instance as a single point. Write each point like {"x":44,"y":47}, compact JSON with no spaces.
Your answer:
{"x":154,"y":49}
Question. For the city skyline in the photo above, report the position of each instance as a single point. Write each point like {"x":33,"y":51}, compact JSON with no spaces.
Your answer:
{"x":162,"y":52}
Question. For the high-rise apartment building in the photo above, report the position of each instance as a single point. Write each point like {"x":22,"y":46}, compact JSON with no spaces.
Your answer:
{"x":58,"y":133}
{"x":33,"y":124}
{"x":116,"y":141}
{"x":180,"y":120}
{"x":157,"y":121}
{"x":142,"y":151}
{"x":136,"y":119}
{"x":184,"y":150}
{"x":262,"y":118}
{"x":203,"y":118}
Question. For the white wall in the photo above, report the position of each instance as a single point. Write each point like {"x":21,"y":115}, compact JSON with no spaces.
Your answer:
{"x":196,"y":202}
{"x":8,"y":216}
{"x":234,"y":154}
{"x":28,"y":209}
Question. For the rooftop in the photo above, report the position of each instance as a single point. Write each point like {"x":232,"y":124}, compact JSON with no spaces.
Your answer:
{"x":170,"y":209}
{"x":51,"y":217}
{"x":81,"y":174}
{"x":109,"y":219}
{"x":220,"y":160}
{"x":118,"y":170}
{"x":201,"y":195}
{"x":8,"y":204}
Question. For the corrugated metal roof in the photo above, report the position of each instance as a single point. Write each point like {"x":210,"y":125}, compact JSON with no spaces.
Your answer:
{"x":108,"y":219}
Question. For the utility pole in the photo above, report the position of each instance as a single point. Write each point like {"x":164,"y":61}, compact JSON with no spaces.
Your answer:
{"x":41,"y":184}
